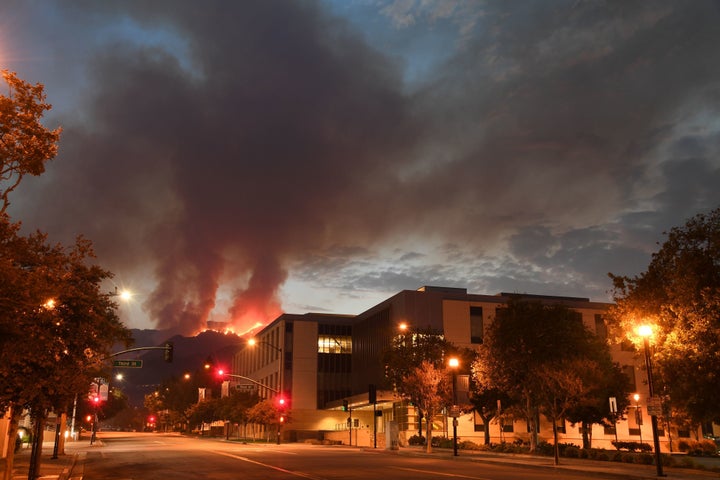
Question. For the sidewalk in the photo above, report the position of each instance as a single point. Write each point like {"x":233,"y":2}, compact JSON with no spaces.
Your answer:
{"x":60,"y":468}
{"x":593,"y":468}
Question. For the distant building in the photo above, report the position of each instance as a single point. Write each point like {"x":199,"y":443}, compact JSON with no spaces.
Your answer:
{"x":324,"y":362}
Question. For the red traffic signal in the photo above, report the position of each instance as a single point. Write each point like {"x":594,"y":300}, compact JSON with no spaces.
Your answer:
{"x":151,"y":419}
{"x":282,"y":403}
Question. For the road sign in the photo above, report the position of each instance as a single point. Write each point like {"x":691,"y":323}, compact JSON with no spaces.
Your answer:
{"x":613,"y":405}
{"x":654,"y":406}
{"x":128,"y":363}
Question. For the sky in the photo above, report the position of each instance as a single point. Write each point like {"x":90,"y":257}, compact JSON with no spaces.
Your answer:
{"x":232,"y":160}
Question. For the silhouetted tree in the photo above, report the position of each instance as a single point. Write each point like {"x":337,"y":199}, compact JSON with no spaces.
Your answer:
{"x":680,"y":295}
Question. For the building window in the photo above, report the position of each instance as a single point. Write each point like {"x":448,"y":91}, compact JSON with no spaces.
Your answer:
{"x":629,"y":371}
{"x":561,"y":426}
{"x":334,"y":344}
{"x":476,"y":325}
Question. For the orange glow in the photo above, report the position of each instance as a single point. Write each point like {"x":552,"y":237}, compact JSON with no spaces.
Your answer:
{"x":50,"y":304}
{"x":453,"y":362}
{"x":645,"y":331}
{"x":403,"y":326}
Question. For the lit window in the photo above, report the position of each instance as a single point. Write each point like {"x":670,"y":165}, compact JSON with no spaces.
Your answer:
{"x":334,"y":344}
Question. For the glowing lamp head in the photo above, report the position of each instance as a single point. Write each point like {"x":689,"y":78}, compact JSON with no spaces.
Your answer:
{"x":252,"y":342}
{"x":645,"y":331}
{"x":403,"y":326}
{"x":453,"y":362}
{"x":636,"y":397}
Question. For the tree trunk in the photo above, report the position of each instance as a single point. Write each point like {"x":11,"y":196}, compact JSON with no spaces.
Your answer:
{"x":429,"y":429}
{"x":556,"y":447}
{"x":11,"y":436}
{"x":531,"y":417}
{"x":36,"y":451}
{"x":586,"y":429}
{"x":486,"y":421}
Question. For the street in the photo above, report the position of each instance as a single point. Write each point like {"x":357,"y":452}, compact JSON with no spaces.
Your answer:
{"x":132,"y":456}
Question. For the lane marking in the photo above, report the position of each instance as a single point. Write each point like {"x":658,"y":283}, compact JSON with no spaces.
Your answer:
{"x":266,"y":465}
{"x":455,"y":475}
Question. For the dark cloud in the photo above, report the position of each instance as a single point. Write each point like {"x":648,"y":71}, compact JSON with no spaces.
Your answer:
{"x":236,"y":145}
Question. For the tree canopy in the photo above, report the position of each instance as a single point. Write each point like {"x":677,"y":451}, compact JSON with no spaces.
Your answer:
{"x":59,"y":326}
{"x":679,"y":295}
{"x":25,"y":144}
{"x":540,"y":356}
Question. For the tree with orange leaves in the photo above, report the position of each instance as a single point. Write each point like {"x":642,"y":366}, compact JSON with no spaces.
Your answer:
{"x":25,"y":144}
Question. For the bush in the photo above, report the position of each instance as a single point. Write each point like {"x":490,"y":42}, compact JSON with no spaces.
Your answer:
{"x":571,"y":451}
{"x":703,"y":447}
{"x":442,"y":442}
{"x":468,"y":445}
{"x":645,"y":459}
{"x":602,"y":456}
{"x":632,"y":446}
{"x":545,"y":448}
{"x":416,"y":440}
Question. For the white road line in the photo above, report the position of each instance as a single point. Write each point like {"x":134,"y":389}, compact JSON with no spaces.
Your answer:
{"x":439,"y":473}
{"x":245,"y":459}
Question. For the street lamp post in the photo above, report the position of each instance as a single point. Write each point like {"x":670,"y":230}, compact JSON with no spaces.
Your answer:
{"x":453,"y":362}
{"x":646,"y":331}
{"x":638,"y":415}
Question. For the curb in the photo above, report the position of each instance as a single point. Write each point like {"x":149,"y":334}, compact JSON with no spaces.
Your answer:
{"x":67,"y":471}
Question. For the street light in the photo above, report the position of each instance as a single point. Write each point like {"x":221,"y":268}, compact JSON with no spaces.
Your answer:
{"x":646,"y":332}
{"x":454,"y":363}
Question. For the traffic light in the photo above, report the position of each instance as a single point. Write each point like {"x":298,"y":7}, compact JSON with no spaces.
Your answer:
{"x":169,"y":352}
{"x":346,"y":406}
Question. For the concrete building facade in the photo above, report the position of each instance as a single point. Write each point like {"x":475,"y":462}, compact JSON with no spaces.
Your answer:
{"x":332,"y":359}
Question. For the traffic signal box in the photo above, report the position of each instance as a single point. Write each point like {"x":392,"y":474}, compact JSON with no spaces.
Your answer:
{"x":169,"y":352}
{"x":282,"y":404}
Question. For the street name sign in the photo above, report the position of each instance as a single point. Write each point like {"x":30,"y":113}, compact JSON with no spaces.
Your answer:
{"x":128,"y":363}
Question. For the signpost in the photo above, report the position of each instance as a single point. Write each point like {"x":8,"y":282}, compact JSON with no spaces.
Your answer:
{"x":654,"y":406}
{"x":128,"y":363}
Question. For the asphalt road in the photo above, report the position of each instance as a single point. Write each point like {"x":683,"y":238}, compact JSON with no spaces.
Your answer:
{"x":135,"y":456}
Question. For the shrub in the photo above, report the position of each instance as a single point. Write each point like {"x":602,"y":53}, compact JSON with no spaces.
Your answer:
{"x":645,"y":459}
{"x":468,"y":445}
{"x":632,"y":446}
{"x":627,"y":458}
{"x":687,"y":462}
{"x":442,"y":442}
{"x":602,"y":456}
{"x":416,"y":440}
{"x":545,"y":448}
{"x":703,"y":447}
{"x":585,"y":453}
{"x":571,"y":451}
